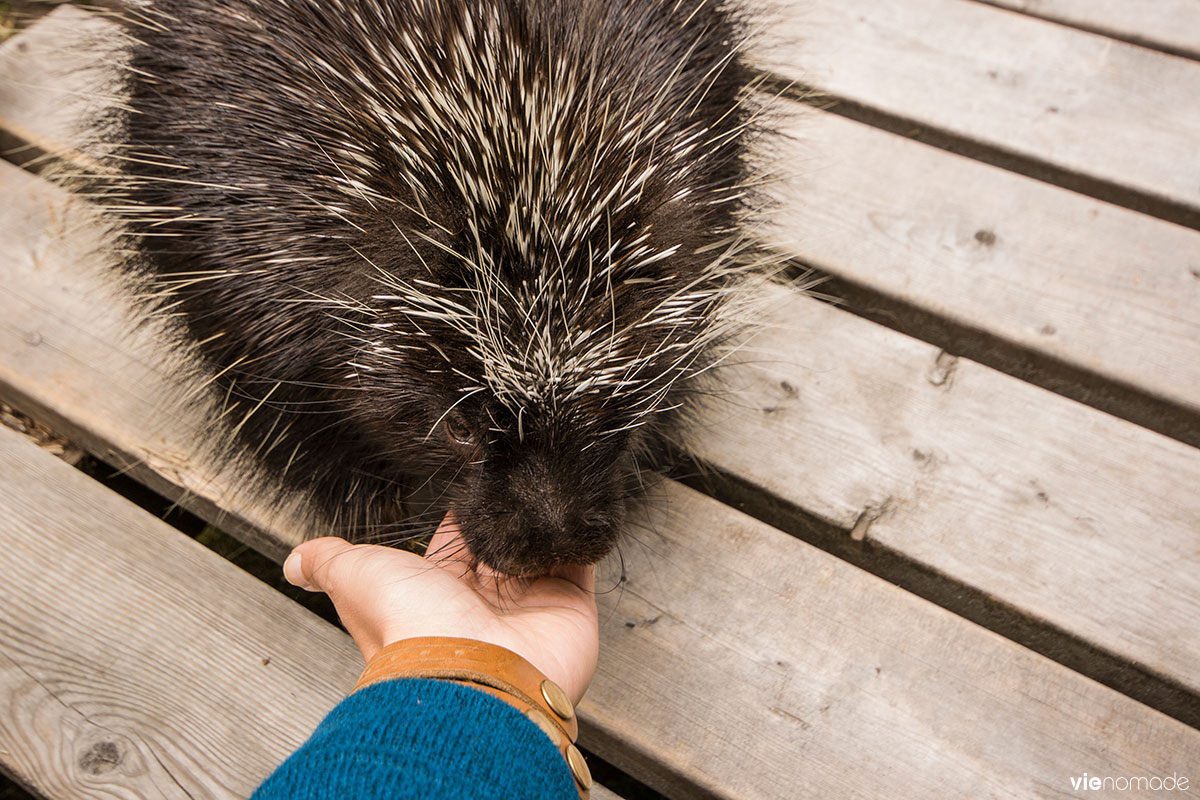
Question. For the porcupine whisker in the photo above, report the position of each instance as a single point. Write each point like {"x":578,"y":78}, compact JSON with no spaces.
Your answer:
{"x":233,"y":390}
{"x":499,"y":583}
{"x":291,"y":460}
{"x":356,"y":414}
{"x":409,"y":530}
{"x":433,"y":475}
{"x":651,"y":556}
{"x":620,"y":581}
{"x":331,"y":210}
{"x":395,"y":541}
{"x":291,"y":407}
{"x":433,"y":514}
{"x":277,"y":440}
{"x":251,"y":380}
{"x":390,"y":537}
{"x":450,"y":551}
{"x":343,"y":173}
{"x":250,"y":413}
{"x":375,"y":533}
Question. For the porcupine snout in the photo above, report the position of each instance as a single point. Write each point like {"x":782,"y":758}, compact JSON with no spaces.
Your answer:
{"x":541,"y":506}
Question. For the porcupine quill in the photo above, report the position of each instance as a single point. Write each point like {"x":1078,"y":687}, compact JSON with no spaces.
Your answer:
{"x":484,"y":248}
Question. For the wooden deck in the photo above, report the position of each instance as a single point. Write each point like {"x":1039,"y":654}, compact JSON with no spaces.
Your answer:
{"x":951,"y":542}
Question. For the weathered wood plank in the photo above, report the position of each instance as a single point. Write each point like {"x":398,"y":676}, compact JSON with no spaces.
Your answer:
{"x":848,"y":682}
{"x":1099,"y":287}
{"x":851,"y":682}
{"x":138,"y":664}
{"x":1072,"y":516}
{"x":715,"y":630}
{"x":1173,"y":25}
{"x":54,"y":78}
{"x":1104,"y":289}
{"x":1082,"y":102}
{"x":694,"y":670}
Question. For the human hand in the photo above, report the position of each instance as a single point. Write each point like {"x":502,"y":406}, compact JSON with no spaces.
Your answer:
{"x":384,"y":595}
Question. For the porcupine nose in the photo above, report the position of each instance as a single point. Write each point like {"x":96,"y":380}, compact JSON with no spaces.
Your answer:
{"x":555,"y":518}
{"x":552,"y":531}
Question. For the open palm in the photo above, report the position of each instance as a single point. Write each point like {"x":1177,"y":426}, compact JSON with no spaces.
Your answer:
{"x":384,"y":595}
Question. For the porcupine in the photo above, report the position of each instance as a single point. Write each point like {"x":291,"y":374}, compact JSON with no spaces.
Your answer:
{"x":479,"y":245}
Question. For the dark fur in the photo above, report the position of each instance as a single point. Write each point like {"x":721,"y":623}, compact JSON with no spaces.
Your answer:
{"x":275,"y":266}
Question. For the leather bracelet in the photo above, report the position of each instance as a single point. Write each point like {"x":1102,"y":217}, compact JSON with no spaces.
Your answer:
{"x":493,"y":669}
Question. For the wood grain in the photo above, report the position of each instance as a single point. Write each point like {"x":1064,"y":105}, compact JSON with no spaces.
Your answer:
{"x":848,"y":687}
{"x":1102,"y":288}
{"x":1082,"y":102}
{"x":56,"y":79}
{"x":137,"y":664}
{"x":654,"y":710}
{"x":1173,"y":25}
{"x":116,"y":621}
{"x":1072,"y":516}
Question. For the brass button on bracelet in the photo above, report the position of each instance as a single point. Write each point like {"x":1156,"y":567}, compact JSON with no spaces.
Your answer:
{"x":495,"y":670}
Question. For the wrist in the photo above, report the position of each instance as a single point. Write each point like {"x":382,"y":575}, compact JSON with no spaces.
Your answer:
{"x":494,"y":670}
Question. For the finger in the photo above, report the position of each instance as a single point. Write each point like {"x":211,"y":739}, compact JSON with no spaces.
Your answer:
{"x":309,"y":561}
{"x":448,"y":550}
{"x":303,"y":564}
{"x":368,"y":585}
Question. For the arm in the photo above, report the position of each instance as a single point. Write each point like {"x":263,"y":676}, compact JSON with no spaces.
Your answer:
{"x":419,"y":739}
{"x":446,"y":737}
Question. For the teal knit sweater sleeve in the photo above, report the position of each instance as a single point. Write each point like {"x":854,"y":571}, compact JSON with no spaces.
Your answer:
{"x":410,"y":738}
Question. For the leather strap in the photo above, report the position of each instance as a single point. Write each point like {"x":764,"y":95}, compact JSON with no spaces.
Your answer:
{"x":493,"y":669}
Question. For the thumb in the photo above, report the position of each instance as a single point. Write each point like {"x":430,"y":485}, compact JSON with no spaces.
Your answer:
{"x":308,"y":564}
{"x":380,"y":593}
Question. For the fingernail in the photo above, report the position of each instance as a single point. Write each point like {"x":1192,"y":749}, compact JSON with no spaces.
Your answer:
{"x":295,"y":575}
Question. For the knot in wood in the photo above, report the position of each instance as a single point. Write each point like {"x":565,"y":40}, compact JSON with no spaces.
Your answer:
{"x":103,"y":756}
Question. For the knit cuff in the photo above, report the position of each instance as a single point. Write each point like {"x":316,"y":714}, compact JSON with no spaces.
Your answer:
{"x":416,"y":738}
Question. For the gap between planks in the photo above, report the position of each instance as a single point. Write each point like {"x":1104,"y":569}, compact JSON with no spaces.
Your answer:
{"x":137,"y":663}
{"x":1033,"y":593}
{"x":1172,"y":26}
{"x":1102,"y":290}
{"x":719,"y":673}
{"x":1088,"y":112}
{"x":696,"y":679}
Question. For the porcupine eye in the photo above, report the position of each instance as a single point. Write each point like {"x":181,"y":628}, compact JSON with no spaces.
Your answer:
{"x":457,"y":429}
